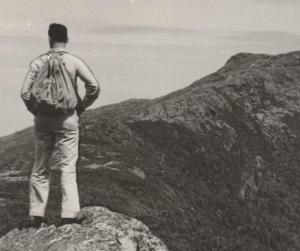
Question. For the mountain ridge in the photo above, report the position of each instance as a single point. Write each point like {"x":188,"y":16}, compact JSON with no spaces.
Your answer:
{"x":140,"y":29}
{"x":212,"y":166}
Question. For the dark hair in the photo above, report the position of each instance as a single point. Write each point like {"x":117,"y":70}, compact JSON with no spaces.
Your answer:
{"x":58,"y":33}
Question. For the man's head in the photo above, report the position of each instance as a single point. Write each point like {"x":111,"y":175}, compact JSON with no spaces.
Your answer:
{"x":58,"y":33}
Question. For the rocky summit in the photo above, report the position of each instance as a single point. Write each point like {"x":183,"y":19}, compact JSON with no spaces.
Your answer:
{"x":101,"y":230}
{"x":213,"y":166}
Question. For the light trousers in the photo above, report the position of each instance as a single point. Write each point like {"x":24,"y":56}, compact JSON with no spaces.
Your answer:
{"x":61,"y":132}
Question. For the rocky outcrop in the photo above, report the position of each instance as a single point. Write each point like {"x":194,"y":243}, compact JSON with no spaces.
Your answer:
{"x":213,"y":166}
{"x":101,"y":230}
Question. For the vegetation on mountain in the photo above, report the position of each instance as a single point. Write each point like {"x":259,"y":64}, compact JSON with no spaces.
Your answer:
{"x":213,"y":166}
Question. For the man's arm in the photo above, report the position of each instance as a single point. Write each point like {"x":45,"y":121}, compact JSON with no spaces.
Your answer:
{"x":27,"y":85}
{"x":92,"y":86}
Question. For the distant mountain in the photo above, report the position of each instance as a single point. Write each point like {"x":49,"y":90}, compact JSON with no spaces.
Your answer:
{"x":213,"y":166}
{"x":265,"y":36}
{"x":138,"y":29}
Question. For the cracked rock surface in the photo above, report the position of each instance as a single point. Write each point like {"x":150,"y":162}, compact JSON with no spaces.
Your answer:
{"x":101,"y":230}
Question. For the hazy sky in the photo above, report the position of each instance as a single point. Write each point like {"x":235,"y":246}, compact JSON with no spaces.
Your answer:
{"x":139,"y":64}
{"x":242,"y":15}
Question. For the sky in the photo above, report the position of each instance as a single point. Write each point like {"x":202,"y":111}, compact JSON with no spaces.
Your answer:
{"x":139,"y":62}
{"x":240,"y":15}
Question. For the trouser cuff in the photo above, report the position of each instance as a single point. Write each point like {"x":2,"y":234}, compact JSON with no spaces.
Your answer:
{"x":35,"y":213}
{"x":69,"y":214}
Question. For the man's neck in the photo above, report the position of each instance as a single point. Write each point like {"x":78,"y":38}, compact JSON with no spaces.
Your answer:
{"x":58,"y":45}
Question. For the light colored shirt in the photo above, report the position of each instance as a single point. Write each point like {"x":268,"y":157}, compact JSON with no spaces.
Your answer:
{"x":75,"y":66}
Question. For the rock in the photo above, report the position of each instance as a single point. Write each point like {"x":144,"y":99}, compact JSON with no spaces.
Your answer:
{"x":138,"y":172}
{"x":108,"y":165}
{"x":101,"y":230}
{"x":13,"y":176}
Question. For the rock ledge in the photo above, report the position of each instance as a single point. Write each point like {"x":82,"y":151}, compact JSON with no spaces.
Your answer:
{"x":101,"y":230}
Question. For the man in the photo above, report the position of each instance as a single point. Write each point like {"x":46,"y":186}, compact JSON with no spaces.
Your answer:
{"x":57,"y":130}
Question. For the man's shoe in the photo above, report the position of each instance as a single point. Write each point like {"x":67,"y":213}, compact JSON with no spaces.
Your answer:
{"x":34,"y":222}
{"x":65,"y":221}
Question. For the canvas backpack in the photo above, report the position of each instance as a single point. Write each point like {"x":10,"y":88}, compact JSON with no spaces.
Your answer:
{"x":53,"y":91}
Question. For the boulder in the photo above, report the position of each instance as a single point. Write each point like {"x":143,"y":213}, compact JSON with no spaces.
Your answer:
{"x":102,"y":229}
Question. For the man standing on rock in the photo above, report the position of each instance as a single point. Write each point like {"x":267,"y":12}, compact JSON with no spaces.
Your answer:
{"x":50,"y":93}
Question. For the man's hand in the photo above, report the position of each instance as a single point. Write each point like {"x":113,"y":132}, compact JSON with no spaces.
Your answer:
{"x":80,"y":109}
{"x":31,"y":105}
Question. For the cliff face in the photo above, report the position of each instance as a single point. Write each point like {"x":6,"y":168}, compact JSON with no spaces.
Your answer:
{"x":214,"y":166}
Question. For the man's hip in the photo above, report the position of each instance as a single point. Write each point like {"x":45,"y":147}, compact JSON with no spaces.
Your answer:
{"x":56,"y":123}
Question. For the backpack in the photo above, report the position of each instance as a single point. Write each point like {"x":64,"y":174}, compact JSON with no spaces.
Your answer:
{"x":53,"y":91}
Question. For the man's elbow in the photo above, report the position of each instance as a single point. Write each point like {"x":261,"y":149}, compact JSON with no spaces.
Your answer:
{"x":98,"y":90}
{"x":25,"y":95}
